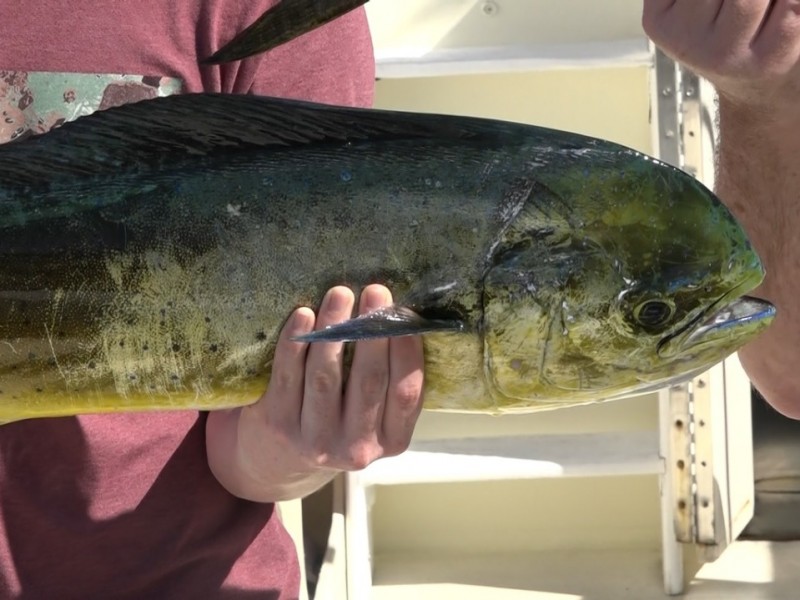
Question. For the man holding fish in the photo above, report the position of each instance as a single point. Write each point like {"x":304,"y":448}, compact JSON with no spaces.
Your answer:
{"x":176,"y":505}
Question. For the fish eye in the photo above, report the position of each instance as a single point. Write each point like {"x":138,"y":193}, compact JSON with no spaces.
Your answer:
{"x":653,"y":313}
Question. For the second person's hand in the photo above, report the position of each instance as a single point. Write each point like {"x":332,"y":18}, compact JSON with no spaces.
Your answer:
{"x":749,"y":49}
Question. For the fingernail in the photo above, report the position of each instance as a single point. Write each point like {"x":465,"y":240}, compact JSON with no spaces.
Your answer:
{"x":373,"y":298}
{"x":302,"y":321}
{"x":335,"y":301}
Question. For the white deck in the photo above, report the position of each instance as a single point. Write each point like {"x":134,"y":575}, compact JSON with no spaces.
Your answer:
{"x":746,"y":571}
{"x":520,"y":457}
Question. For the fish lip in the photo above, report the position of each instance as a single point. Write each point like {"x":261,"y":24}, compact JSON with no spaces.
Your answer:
{"x":738,"y":312}
{"x":717,"y":316}
{"x":677,"y":341}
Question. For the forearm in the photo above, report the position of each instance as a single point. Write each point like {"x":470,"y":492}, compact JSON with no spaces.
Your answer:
{"x":759,"y":179}
{"x":261,"y":473}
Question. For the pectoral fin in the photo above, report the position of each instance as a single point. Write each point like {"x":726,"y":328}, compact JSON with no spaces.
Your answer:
{"x":286,"y":21}
{"x":391,"y":321}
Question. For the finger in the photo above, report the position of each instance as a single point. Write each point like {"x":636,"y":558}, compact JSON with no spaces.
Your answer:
{"x":679,"y":26}
{"x":700,"y":12}
{"x":369,"y":376}
{"x":676,"y":15}
{"x":739,"y":23}
{"x":322,"y":395}
{"x":404,"y":398}
{"x":654,"y":17}
{"x":654,"y":13}
{"x":778,"y":42}
{"x":283,"y":399}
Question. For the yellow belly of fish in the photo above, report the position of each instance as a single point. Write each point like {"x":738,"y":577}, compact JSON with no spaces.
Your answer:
{"x":17,"y":405}
{"x":453,"y":382}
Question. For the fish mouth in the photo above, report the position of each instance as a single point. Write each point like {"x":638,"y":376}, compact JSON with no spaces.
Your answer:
{"x":723,"y":324}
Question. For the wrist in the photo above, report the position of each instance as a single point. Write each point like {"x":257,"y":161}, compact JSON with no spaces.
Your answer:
{"x":774,"y":122}
{"x":255,"y":464}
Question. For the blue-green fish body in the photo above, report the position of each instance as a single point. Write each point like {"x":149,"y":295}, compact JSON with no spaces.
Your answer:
{"x":149,"y":255}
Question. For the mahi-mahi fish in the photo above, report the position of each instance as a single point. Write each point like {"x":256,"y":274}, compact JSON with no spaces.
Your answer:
{"x":149,"y":255}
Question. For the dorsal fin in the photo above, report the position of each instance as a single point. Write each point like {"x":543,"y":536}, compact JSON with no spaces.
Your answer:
{"x":152,"y":133}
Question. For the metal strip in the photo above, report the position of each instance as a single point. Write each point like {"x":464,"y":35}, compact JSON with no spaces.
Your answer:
{"x":691,"y":111}
{"x":667,"y":86}
{"x":680,"y":463}
{"x":703,"y":461}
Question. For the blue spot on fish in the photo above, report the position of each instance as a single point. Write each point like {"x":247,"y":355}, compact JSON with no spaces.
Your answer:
{"x":346,"y":176}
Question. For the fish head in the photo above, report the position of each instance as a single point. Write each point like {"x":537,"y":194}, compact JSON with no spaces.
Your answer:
{"x":641,"y":283}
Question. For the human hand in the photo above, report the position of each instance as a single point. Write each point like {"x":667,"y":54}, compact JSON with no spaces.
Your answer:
{"x":312,"y":422}
{"x":749,"y":49}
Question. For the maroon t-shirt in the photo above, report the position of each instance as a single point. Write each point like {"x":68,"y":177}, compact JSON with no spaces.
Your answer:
{"x":125,"y":506}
